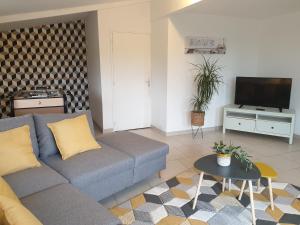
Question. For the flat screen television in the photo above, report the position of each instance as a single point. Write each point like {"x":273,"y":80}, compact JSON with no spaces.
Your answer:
{"x":263,"y":92}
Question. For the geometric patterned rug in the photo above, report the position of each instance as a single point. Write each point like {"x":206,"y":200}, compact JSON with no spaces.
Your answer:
{"x":170,"y":203}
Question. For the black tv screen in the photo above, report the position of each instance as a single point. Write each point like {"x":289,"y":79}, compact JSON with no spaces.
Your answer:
{"x":264,"y":92}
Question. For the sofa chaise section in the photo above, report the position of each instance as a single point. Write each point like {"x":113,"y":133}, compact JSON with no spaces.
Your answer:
{"x":149,"y":155}
{"x":66,"y":192}
{"x":65,"y":205}
{"x":98,"y":173}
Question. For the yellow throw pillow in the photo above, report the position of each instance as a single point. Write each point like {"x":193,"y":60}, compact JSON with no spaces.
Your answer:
{"x":15,"y":213}
{"x":16,"y":151}
{"x":73,"y":136}
{"x":6,"y":191}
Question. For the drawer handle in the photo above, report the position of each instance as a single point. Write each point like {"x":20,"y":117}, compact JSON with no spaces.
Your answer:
{"x":240,"y":124}
{"x":39,"y":102}
{"x":272,"y":127}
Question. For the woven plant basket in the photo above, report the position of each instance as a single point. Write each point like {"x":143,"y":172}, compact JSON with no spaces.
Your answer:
{"x":197,"y":118}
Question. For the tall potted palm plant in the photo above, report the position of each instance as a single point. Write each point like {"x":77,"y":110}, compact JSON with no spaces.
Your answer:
{"x":207,"y":81}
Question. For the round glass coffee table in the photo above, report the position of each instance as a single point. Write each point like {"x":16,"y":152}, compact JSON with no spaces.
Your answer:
{"x":208,"y":164}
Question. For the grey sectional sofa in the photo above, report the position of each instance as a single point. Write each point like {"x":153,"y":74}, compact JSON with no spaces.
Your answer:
{"x":67,"y":192}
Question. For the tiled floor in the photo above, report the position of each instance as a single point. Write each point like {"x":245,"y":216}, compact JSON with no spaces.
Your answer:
{"x":184,"y":150}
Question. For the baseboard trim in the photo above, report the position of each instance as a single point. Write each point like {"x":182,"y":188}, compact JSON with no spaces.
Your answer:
{"x":189,"y":131}
{"x":107,"y":131}
{"x":158,"y":130}
{"x":183,"y":132}
{"x":297,"y":136}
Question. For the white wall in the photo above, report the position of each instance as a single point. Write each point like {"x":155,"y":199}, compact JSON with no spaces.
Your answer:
{"x":254,"y":48}
{"x":240,"y":59}
{"x":125,"y":16}
{"x":159,"y":63}
{"x":268,"y":48}
{"x":93,"y":61}
{"x":279,"y":53}
{"x":133,"y":18}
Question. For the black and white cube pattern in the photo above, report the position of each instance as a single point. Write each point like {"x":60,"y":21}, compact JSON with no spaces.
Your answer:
{"x":52,"y":55}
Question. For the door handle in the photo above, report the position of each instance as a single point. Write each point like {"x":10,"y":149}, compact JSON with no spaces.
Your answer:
{"x":148,"y":83}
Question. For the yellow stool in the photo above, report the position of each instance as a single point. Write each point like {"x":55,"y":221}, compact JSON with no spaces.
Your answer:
{"x":267,"y":172}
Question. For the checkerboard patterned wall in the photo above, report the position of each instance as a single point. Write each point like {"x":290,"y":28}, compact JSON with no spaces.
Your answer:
{"x":52,"y":55}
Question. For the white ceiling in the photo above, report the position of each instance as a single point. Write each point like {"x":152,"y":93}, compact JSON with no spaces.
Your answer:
{"x":43,"y":21}
{"x":10,"y":7}
{"x":255,"y":9}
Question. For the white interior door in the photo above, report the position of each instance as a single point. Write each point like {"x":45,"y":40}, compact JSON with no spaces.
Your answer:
{"x":131,"y":69}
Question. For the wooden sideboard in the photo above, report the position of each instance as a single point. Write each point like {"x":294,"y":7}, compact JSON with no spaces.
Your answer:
{"x":29,"y":102}
{"x":38,"y":106}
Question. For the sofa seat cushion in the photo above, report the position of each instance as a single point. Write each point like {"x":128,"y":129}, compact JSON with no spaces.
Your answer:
{"x":92,"y":166}
{"x":15,"y":122}
{"x":33,"y":180}
{"x":65,"y":205}
{"x":47,"y":145}
{"x":141,"y":148}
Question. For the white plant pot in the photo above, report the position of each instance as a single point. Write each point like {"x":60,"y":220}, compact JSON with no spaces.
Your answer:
{"x":223,"y":160}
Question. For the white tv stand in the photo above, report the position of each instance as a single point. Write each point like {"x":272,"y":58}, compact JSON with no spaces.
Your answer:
{"x":268,"y":121}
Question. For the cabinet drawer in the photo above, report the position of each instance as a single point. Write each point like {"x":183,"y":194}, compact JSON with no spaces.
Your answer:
{"x":240,"y":124}
{"x":38,"y":103}
{"x":273,"y":127}
{"x":44,"y":110}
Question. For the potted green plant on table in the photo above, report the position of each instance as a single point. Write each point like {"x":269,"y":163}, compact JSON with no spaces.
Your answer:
{"x":207,"y":81}
{"x":225,"y":152}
